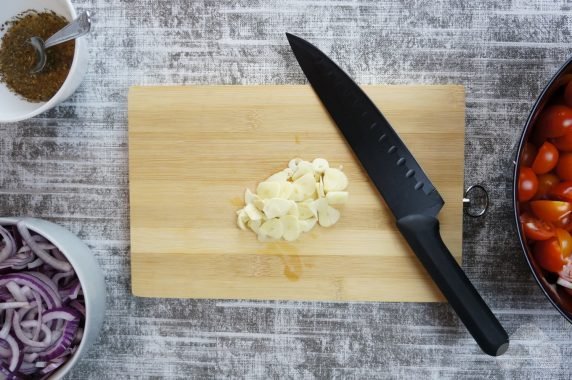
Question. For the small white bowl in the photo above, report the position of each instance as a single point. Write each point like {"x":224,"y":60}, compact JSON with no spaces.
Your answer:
{"x":15,"y":108}
{"x":89,"y":274}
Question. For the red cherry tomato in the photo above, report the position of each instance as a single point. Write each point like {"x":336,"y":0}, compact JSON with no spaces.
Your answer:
{"x":527,"y":184}
{"x":565,"y":241}
{"x":549,"y":255}
{"x":546,"y":182}
{"x":528,"y":154}
{"x":564,"y":167}
{"x":546,"y":159}
{"x":535,"y":228}
{"x":562,"y":191}
{"x":568,"y":94}
{"x":564,"y":143}
{"x":550,"y":211}
{"x":555,"y":121}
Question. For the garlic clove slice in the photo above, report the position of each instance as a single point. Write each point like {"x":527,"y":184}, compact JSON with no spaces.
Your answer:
{"x":334,"y":180}
{"x":272,"y":228}
{"x":277,"y":207}
{"x":290,"y":227}
{"x":267,"y":190}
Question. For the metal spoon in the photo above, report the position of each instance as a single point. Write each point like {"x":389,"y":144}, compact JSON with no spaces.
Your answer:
{"x":77,"y":28}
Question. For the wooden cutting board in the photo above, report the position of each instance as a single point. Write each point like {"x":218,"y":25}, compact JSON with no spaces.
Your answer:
{"x":194,"y":150}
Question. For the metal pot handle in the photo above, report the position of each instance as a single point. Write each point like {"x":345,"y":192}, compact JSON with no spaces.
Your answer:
{"x":482,"y":208}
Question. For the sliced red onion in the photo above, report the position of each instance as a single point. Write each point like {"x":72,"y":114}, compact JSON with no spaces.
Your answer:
{"x":15,"y":358}
{"x":30,"y":357}
{"x":16,"y":292}
{"x":27,"y":341}
{"x":9,"y":248}
{"x":7,"y":324}
{"x":41,"y":312}
{"x":63,"y":344}
{"x":13,"y":305}
{"x":49,"y":296}
{"x":60,"y":265}
{"x":78,"y":306}
{"x":18,"y":260}
{"x":36,"y":263}
{"x":564,"y":283}
{"x":70,"y":292}
{"x":7,"y":374}
{"x":4,"y":349}
{"x":65,"y":313}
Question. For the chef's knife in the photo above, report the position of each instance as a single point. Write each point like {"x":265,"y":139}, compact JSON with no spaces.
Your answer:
{"x":404,"y":186}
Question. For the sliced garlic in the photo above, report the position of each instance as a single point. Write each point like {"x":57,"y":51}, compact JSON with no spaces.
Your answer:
{"x":293,"y":164}
{"x":277,"y":207}
{"x":272,"y":228}
{"x":334,"y":180}
{"x":254,"y":225}
{"x":304,"y":167}
{"x":293,"y":200}
{"x":297,"y":194}
{"x":320,"y":165}
{"x":337,"y":197}
{"x":241,"y":219}
{"x":328,"y":217}
{"x":291,"y":228}
{"x":281,"y":176}
{"x":305,"y":211}
{"x":252,"y":212}
{"x":267,"y":190}
{"x":286,"y":189}
{"x":294,"y":211}
{"x":308,"y":224}
{"x":307,"y":184}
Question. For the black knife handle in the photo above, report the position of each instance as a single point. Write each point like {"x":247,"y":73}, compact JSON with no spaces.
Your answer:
{"x":422,"y":234}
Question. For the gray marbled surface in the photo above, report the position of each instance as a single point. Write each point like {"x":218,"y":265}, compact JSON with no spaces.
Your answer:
{"x":69,"y":166}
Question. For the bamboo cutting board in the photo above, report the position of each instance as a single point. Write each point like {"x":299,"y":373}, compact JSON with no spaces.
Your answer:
{"x":194,"y":150}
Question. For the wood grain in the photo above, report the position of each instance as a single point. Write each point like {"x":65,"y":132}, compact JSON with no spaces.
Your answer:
{"x":194,"y":149}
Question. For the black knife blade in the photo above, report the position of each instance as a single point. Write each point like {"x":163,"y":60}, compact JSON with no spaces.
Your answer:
{"x":404,"y":186}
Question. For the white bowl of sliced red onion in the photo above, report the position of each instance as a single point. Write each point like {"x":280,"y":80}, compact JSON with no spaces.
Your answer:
{"x":52,"y":299}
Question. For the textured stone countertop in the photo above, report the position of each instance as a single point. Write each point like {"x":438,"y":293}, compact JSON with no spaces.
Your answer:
{"x":70,"y":166}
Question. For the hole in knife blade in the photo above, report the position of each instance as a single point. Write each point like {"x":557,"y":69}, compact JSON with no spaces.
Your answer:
{"x":410,"y":173}
{"x":418,"y":185}
{"x":392,"y":149}
{"x":400,"y":161}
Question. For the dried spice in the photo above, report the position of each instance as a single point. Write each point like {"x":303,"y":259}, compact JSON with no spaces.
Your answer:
{"x":18,"y":57}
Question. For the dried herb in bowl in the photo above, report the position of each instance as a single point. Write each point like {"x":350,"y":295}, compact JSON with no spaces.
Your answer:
{"x":17,"y":56}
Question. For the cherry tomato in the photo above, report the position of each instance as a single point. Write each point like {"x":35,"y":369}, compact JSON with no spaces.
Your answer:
{"x":564,"y":167}
{"x":546,"y":159}
{"x":564,"y":143}
{"x":549,"y":255}
{"x":565,"y":241}
{"x":562,"y":191}
{"x":527,"y":184}
{"x":568,"y":94}
{"x":535,"y":228}
{"x":551,"y":211}
{"x":528,"y":154}
{"x":546,"y":182}
{"x":555,"y":121}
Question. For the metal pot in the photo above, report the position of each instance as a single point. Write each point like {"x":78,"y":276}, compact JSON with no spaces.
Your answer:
{"x":561,"y":299}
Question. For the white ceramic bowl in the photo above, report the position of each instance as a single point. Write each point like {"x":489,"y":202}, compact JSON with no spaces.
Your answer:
{"x":15,"y":108}
{"x":89,"y":274}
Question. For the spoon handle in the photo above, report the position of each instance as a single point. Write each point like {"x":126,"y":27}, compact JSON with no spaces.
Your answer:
{"x":78,"y":27}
